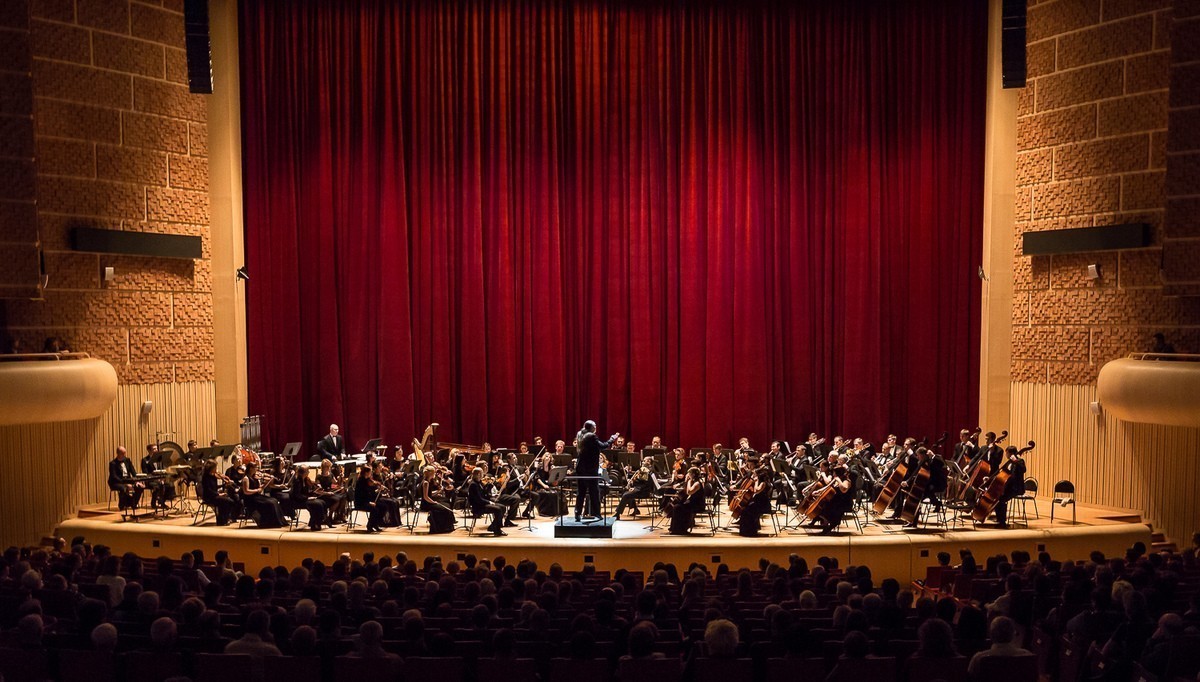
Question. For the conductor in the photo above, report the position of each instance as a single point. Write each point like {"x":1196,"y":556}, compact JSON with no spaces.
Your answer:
{"x":588,"y":465}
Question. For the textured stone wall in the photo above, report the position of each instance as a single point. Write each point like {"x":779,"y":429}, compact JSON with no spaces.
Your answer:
{"x":20,"y":275}
{"x":120,"y":144}
{"x":1092,"y":134}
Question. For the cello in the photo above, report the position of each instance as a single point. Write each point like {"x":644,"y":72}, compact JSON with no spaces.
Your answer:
{"x":995,"y":488}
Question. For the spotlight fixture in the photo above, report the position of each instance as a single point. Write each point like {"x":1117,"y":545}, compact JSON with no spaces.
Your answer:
{"x":242,"y":274}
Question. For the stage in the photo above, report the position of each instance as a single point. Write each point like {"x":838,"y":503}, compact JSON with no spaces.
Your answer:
{"x":888,"y":549}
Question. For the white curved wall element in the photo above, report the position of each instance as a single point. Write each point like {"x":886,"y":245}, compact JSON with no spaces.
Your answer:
{"x":1152,"y":391}
{"x":41,"y":391}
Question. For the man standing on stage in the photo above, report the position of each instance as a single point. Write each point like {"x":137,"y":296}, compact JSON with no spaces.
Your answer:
{"x":590,"y":446}
{"x":333,"y":446}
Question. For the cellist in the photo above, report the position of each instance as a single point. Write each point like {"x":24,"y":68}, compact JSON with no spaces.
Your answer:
{"x":1015,"y":487}
{"x":760,"y":503}
{"x":842,"y":483}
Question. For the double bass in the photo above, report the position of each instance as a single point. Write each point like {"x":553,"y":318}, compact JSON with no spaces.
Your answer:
{"x":995,"y":488}
{"x":982,"y":468}
{"x":916,"y":491}
{"x":892,"y":487}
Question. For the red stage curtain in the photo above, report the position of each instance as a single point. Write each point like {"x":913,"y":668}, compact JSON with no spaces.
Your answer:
{"x":695,"y":219}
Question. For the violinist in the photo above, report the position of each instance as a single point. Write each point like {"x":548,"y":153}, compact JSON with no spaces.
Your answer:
{"x":254,"y":497}
{"x":212,"y":493}
{"x":235,"y":472}
{"x":441,"y":518}
{"x":305,"y":494}
{"x":1015,"y":487}
{"x":689,"y":500}
{"x":750,"y":520}
{"x":481,"y":505}
{"x":332,"y":489}
{"x":495,"y":485}
{"x":369,"y":497}
{"x":640,"y":486}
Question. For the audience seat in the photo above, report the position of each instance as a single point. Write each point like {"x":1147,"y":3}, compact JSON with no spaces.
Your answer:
{"x":642,"y":669}
{"x":723,"y":669}
{"x":146,"y":666}
{"x":1007,"y":669}
{"x":86,"y":666}
{"x":292,"y":668}
{"x":881,"y":669}
{"x":226,"y":667}
{"x":918,"y":669}
{"x":17,"y":665}
{"x":571,"y":670}
{"x":505,"y":670}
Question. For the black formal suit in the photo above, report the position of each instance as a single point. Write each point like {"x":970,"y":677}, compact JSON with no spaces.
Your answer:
{"x":1015,"y":487}
{"x":481,"y":505}
{"x":590,"y":447}
{"x":332,"y":447}
{"x":129,"y":494}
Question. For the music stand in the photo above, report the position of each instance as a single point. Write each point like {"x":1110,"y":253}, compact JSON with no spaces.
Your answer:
{"x":554,"y":480}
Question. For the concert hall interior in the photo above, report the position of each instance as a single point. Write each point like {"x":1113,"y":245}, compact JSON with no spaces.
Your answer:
{"x":605,"y":285}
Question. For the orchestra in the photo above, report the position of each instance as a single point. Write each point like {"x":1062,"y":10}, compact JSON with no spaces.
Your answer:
{"x":815,"y":484}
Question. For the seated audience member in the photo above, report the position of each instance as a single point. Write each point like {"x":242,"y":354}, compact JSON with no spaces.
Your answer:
{"x":641,"y":641}
{"x":1003,"y":632}
{"x":257,"y":638}
{"x":370,"y":642}
{"x":104,"y":638}
{"x":936,"y":640}
{"x":163,"y":635}
{"x":721,"y":639}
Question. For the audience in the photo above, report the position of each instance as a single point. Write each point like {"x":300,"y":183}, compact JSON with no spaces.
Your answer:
{"x":1136,"y":610}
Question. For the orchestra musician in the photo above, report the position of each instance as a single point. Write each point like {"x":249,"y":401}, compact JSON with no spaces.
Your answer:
{"x":750,"y":520}
{"x":305,"y":493}
{"x":235,"y":471}
{"x":842,"y":481}
{"x":906,"y":455}
{"x":639,"y":486}
{"x":1015,"y":487}
{"x":441,"y":518}
{"x":656,"y":442}
{"x":369,"y":496}
{"x":689,"y":500}
{"x":965,"y":448}
{"x":160,"y":490}
{"x":991,"y":452}
{"x":935,"y":487}
{"x":481,"y":505}
{"x":212,"y":493}
{"x":333,"y":445}
{"x":120,"y":475}
{"x":332,"y":489}
{"x":546,"y":499}
{"x":588,"y":489}
{"x":257,"y":501}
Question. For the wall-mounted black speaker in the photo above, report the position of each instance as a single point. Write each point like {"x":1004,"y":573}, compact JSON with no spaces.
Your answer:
{"x":1083,"y":239}
{"x":198,"y":45}
{"x":95,"y":240}
{"x":1012,"y":44}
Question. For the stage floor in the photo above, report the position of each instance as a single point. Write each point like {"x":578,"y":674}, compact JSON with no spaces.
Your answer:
{"x":888,"y":549}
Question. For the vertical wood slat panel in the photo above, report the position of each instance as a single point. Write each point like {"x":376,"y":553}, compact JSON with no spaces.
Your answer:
{"x":1143,"y":467}
{"x":49,"y":470}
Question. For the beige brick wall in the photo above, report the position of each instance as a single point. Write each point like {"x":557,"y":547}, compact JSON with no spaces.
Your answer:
{"x":1092,"y":140}
{"x":120,"y":144}
{"x":20,"y":274}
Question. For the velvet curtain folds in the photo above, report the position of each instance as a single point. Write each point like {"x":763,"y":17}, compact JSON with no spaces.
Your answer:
{"x":699,"y":220}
